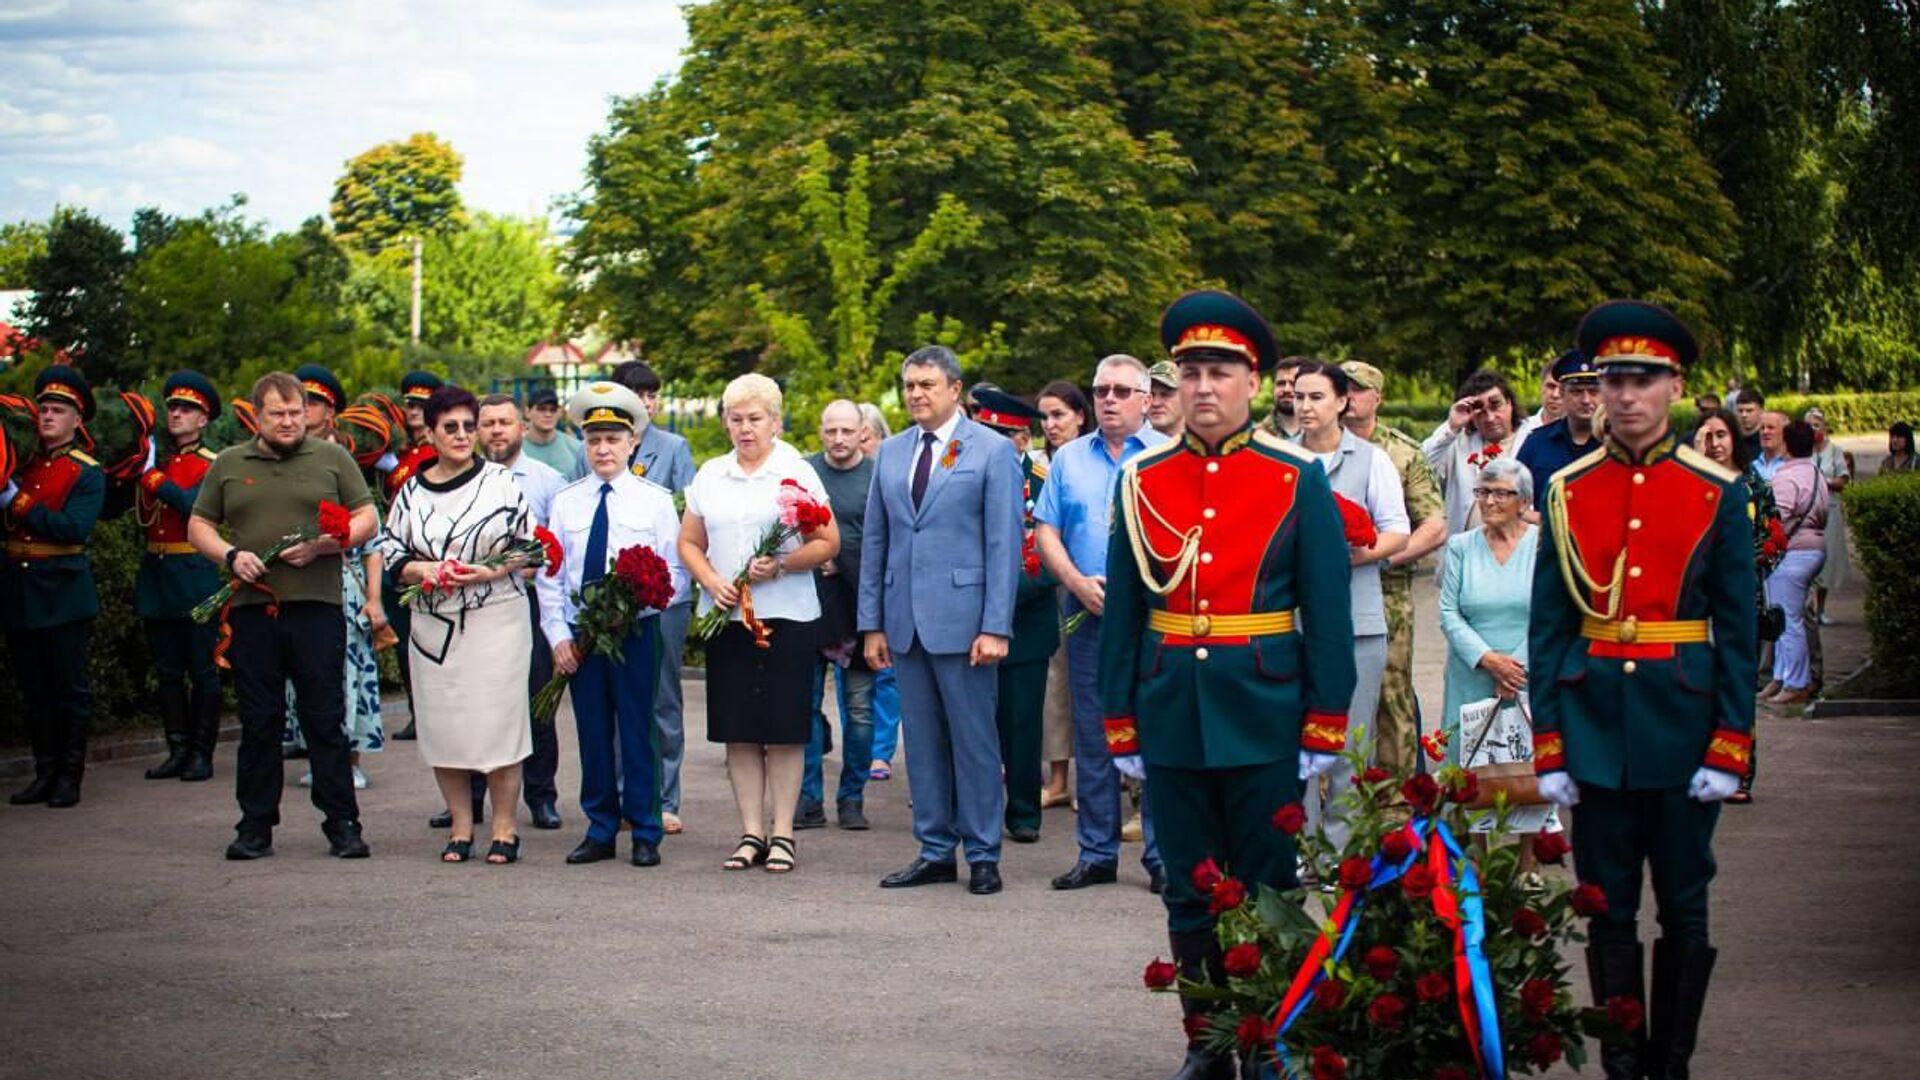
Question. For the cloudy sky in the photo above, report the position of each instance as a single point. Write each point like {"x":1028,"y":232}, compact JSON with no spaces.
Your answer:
{"x":118,"y":104}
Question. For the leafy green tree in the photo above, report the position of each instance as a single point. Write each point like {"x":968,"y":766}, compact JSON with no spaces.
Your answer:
{"x":491,"y":288}
{"x":20,"y":241}
{"x":398,"y":190}
{"x":79,"y":295}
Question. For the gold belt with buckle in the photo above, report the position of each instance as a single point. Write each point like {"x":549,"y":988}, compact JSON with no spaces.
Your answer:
{"x":1631,"y":631}
{"x":34,"y":549}
{"x":169,"y":547}
{"x":1220,"y":626}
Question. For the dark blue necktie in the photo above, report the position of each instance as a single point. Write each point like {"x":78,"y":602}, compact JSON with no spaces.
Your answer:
{"x":596,"y":567}
{"x":923,"y":467}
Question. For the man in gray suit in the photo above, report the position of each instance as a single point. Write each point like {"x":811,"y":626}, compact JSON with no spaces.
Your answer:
{"x":939,"y":564}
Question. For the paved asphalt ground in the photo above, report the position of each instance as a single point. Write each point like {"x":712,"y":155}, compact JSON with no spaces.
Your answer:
{"x":130,"y":949}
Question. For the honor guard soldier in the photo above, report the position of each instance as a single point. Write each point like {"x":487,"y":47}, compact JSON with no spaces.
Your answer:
{"x":173,"y":579}
{"x":415,"y":388}
{"x":1036,"y":633}
{"x":1643,"y":641}
{"x":1226,"y":652}
{"x":47,"y":599}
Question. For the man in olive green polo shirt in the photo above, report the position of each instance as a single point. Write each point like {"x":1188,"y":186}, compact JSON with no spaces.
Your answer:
{"x":286,"y":618}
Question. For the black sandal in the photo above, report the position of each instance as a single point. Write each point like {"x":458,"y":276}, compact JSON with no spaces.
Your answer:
{"x":457,"y":851}
{"x":756,"y":853}
{"x":508,"y":851}
{"x":778,"y":863}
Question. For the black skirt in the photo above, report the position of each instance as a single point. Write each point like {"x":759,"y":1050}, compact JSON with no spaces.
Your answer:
{"x":757,"y":695}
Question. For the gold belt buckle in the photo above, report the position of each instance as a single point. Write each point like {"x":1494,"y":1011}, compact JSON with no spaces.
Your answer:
{"x":1202,"y":625}
{"x":1629,"y":630}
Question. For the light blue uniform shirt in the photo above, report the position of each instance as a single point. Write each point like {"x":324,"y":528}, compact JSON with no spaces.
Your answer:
{"x":1078,"y":497}
{"x":539,"y":482}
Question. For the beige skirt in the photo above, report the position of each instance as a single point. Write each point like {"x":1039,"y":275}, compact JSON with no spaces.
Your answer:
{"x":470,"y":686}
{"x":1057,"y":732}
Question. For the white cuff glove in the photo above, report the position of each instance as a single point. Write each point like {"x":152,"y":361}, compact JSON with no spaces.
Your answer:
{"x":1313,"y":764}
{"x":1559,"y":789}
{"x":1712,"y":785}
{"x":153,"y":453}
{"x":1131,"y":766}
{"x":8,"y":493}
{"x":387,"y":462}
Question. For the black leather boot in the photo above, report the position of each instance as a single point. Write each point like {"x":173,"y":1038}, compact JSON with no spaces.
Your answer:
{"x":1615,"y":970}
{"x":46,"y":762}
{"x":36,"y":791}
{"x":1681,"y":972}
{"x":65,"y":791}
{"x":173,"y":715}
{"x":205,"y":725}
{"x":73,"y":763}
{"x":1197,"y":954}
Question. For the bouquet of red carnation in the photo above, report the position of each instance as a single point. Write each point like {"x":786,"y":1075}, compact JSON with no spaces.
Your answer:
{"x":1356,"y":523}
{"x":524,"y":554}
{"x":333,"y":520}
{"x":1030,"y":557}
{"x":800,"y":515}
{"x":640,"y":582}
{"x":1487,"y":455}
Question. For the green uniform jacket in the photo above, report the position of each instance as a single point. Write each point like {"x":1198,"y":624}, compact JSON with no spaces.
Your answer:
{"x":1036,"y":603}
{"x":60,"y":500}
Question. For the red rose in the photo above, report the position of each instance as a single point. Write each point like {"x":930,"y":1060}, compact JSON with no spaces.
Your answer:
{"x":1206,"y":876}
{"x":1544,"y":1049}
{"x":1227,"y":895}
{"x":1355,"y":873}
{"x":1396,"y":845}
{"x":1536,"y":998}
{"x":336,"y":521}
{"x":1421,"y":792}
{"x":553,"y":555}
{"x":1380,"y":962}
{"x":1417,"y":882}
{"x":1376,"y":775}
{"x":1159,"y":974}
{"x":1252,"y":1032}
{"x":1626,"y":1013}
{"x":1328,"y":995}
{"x":1433,"y":987}
{"x":1551,"y":847}
{"x":1242,"y":961}
{"x":645,"y":574}
{"x":1528,"y":924}
{"x":1590,"y":901}
{"x":1196,"y":1026}
{"x":1451,"y":1072}
{"x":1290,"y":819}
{"x":1388,"y":1011}
{"x":1326,"y":1064}
{"x":1464,"y":789}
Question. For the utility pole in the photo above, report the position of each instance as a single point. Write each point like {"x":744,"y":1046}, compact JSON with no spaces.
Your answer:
{"x":417,"y":247}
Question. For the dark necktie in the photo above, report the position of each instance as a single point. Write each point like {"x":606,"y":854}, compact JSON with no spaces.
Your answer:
{"x":922,"y":468}
{"x":596,"y":567}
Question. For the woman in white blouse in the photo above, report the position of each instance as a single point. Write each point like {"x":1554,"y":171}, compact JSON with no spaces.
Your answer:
{"x":759,"y":694}
{"x":470,"y":643}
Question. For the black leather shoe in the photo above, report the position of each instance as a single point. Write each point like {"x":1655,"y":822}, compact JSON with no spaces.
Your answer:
{"x":1156,"y":880}
{"x":65,"y":792}
{"x":176,"y":762}
{"x":810,"y":815}
{"x":921,"y":872}
{"x":645,"y":853}
{"x":444,"y":819}
{"x":405,"y":734}
{"x":246,"y":848}
{"x":35,"y":792}
{"x":292,"y":753}
{"x":1204,"y":1064}
{"x":1021,"y":834}
{"x":852,"y":815}
{"x":1084,"y":874}
{"x":347,"y":843}
{"x":544,"y":816}
{"x":590,"y":851}
{"x":984,"y":879}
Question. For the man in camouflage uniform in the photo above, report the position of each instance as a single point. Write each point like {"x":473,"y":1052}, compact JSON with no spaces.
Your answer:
{"x":1398,"y":717}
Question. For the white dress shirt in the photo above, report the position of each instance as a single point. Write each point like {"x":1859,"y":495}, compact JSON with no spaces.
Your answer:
{"x":637,"y":513}
{"x":737,"y":509}
{"x":942,"y":435}
{"x":539,"y":482}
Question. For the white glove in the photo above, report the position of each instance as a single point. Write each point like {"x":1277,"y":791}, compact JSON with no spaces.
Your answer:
{"x":1312,"y":764}
{"x":1131,"y":766}
{"x":387,"y":462}
{"x":8,"y":493}
{"x":1712,"y":785}
{"x":153,"y":453}
{"x":1559,"y":789}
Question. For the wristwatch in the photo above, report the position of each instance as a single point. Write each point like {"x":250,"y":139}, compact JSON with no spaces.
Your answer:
{"x":232,"y":554}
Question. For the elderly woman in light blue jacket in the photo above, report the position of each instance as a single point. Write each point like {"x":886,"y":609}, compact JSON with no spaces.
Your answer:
{"x":1486,"y":590}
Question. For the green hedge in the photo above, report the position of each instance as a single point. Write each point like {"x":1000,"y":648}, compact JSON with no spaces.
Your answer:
{"x":1883,"y":514}
{"x":1847,"y":414}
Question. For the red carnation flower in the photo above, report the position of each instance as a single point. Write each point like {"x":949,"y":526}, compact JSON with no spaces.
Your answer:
{"x":553,"y":554}
{"x":1590,"y":901}
{"x":1626,"y":1013}
{"x":1159,"y":974}
{"x":1528,"y":924}
{"x":1290,"y":819}
{"x":1417,"y":882}
{"x":1432,"y":988}
{"x":1551,"y":847}
{"x":1396,"y":845}
{"x":1355,"y":873}
{"x":1421,"y":792}
{"x":1326,"y":1064}
{"x":1252,"y":1032}
{"x":1464,"y":789}
{"x":336,"y":521}
{"x":1376,"y":775}
{"x":1227,"y":895}
{"x":1206,"y":875}
{"x":1355,"y":523}
{"x":1380,"y":962}
{"x":1242,"y":961}
{"x":1388,"y":1011}
{"x":1536,"y":998}
{"x":1328,"y":995}
{"x":1451,"y":1072}
{"x":1544,"y":1049}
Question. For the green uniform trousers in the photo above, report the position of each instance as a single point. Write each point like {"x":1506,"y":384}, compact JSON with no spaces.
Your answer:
{"x":1397,"y":719}
{"x":1616,"y":832}
{"x":1019,"y":717}
{"x":1225,"y":815}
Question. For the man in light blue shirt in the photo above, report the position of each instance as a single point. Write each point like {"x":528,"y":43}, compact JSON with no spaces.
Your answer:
{"x":1073,"y":518}
{"x":1773,"y":445}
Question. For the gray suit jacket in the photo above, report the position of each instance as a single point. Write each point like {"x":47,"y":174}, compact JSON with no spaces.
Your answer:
{"x":947,"y":572}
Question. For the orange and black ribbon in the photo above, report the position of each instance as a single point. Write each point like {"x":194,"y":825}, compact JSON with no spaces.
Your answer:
{"x":761,"y":631}
{"x":221,"y":646}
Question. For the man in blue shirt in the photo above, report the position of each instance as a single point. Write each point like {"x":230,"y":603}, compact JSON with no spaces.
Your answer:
{"x":1073,"y":518}
{"x":1556,"y":445}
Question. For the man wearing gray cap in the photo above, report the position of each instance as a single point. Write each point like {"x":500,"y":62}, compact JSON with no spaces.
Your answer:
{"x":1163,"y":401}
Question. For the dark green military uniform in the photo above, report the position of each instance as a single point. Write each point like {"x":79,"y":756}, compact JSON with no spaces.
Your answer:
{"x":47,"y":597}
{"x":1643,"y":652}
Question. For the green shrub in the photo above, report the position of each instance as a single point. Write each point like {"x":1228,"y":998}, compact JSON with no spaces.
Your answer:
{"x":1854,"y":414}
{"x":1883,"y":515}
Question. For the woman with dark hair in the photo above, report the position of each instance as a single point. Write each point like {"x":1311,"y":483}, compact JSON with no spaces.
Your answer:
{"x":1900,"y":455}
{"x":1801,"y":493}
{"x":470,"y":641}
{"x":1065,"y":415}
{"x":1481,"y":427}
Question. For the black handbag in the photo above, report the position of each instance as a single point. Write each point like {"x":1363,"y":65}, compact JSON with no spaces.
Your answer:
{"x":1773,"y":622}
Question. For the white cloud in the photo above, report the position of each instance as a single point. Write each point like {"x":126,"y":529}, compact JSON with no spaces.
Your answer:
{"x":54,"y":128}
{"x":180,"y":153}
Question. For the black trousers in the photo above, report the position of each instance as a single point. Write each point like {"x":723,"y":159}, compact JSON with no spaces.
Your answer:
{"x":183,"y":655}
{"x":50,"y":666}
{"x":307,"y":644}
{"x":537,"y":772}
{"x":1616,"y":833}
{"x":1019,"y":714}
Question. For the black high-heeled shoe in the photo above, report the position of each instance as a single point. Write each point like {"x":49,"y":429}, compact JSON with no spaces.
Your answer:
{"x":508,"y":851}
{"x":457,"y":851}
